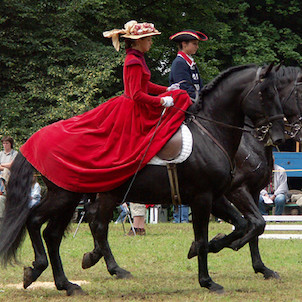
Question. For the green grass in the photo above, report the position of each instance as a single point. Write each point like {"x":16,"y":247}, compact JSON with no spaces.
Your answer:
{"x":161,"y":269}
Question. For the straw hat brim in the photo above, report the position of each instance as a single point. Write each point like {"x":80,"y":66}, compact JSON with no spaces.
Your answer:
{"x":136,"y":37}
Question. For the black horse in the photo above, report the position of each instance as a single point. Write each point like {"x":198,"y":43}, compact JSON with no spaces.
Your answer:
{"x":204,"y":176}
{"x":254,"y":164}
{"x":253,"y":168}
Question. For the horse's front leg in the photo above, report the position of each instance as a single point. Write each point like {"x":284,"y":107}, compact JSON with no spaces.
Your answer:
{"x":223,"y":209}
{"x":201,"y":209}
{"x":247,"y":204}
{"x":99,"y":227}
{"x":258,"y":265}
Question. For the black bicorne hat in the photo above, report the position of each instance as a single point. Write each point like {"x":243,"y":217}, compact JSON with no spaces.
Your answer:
{"x":187,"y":35}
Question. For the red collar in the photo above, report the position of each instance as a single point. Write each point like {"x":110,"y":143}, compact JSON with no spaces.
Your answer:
{"x":186,"y":58}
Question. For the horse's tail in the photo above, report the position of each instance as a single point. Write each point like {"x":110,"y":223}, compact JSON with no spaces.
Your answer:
{"x":17,"y":210}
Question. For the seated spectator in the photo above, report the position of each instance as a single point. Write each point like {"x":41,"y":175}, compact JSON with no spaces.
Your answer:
{"x":275,"y":193}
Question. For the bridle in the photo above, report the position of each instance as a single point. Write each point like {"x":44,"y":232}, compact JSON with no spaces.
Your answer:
{"x":263,"y":126}
{"x":296,"y":126}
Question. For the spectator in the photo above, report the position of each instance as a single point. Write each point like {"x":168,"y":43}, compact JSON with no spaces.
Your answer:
{"x":138,"y":213}
{"x":7,"y":156}
{"x":275,"y":193}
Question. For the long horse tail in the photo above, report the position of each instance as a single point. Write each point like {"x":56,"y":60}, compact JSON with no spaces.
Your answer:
{"x":17,"y":210}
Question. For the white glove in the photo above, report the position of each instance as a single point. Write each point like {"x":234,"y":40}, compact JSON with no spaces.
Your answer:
{"x":168,"y":101}
{"x":174,"y":86}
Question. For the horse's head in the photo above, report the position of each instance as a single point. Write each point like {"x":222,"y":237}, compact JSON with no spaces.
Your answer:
{"x":261,"y":104}
{"x":289,"y":86}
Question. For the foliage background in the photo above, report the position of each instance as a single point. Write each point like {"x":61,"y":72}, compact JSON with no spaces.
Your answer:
{"x":55,"y":63}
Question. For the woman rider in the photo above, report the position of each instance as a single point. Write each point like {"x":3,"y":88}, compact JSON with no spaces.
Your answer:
{"x":100,"y":149}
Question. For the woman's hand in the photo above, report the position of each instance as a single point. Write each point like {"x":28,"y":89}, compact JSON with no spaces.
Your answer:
{"x":174,"y":86}
{"x":167,"y":101}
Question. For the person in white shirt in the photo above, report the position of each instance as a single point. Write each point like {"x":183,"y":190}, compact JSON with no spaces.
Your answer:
{"x":275,"y":193}
{"x":7,"y":157}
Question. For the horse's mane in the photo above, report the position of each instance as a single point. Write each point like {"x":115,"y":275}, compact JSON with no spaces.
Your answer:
{"x":217,"y":80}
{"x":214,"y":83}
{"x":290,"y":72}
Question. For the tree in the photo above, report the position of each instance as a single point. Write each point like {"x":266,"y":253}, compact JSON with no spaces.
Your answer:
{"x":55,"y":63}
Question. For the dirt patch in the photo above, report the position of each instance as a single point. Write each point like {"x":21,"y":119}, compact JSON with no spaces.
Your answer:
{"x":39,"y":284}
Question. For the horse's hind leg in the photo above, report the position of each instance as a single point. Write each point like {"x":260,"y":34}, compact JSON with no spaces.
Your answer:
{"x":31,"y":274}
{"x":93,"y":257}
{"x":60,"y":213}
{"x":99,"y":228}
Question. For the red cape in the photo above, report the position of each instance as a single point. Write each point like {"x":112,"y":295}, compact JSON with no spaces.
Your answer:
{"x":100,"y":149}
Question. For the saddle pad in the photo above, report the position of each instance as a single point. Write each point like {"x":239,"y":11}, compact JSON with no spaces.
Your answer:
{"x":186,"y":149}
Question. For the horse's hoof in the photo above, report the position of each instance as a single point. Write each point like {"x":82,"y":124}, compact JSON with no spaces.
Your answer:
{"x":123,"y":274}
{"x":88,"y":260}
{"x":272,"y":275}
{"x":211,"y":286}
{"x":193,"y":251}
{"x":216,"y":288}
{"x":75,"y":290}
{"x":27,"y":277}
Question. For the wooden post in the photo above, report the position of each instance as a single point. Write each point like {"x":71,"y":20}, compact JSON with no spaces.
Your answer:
{"x":297,"y":147}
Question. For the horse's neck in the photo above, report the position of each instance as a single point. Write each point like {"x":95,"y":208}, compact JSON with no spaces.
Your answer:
{"x":226,"y":111}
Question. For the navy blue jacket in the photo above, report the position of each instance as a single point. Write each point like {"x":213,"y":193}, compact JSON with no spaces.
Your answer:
{"x":180,"y":70}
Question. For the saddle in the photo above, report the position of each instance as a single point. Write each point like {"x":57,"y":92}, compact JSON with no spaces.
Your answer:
{"x":172,"y":148}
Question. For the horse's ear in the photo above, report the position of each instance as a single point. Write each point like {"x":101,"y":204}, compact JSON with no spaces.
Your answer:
{"x":267,"y":70}
{"x":278,"y":66}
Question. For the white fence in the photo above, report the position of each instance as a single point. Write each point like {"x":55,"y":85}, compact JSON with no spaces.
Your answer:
{"x":282,"y":226}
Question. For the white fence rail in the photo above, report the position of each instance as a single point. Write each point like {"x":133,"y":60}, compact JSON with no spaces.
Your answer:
{"x":282,"y":227}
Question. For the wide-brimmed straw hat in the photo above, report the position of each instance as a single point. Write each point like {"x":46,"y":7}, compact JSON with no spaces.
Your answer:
{"x":132,"y":30}
{"x":187,"y":35}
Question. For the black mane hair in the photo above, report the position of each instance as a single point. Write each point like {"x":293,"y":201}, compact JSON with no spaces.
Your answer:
{"x":218,"y":79}
{"x":290,"y":72}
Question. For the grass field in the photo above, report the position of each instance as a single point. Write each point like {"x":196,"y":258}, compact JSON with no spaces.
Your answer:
{"x":161,"y":269}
